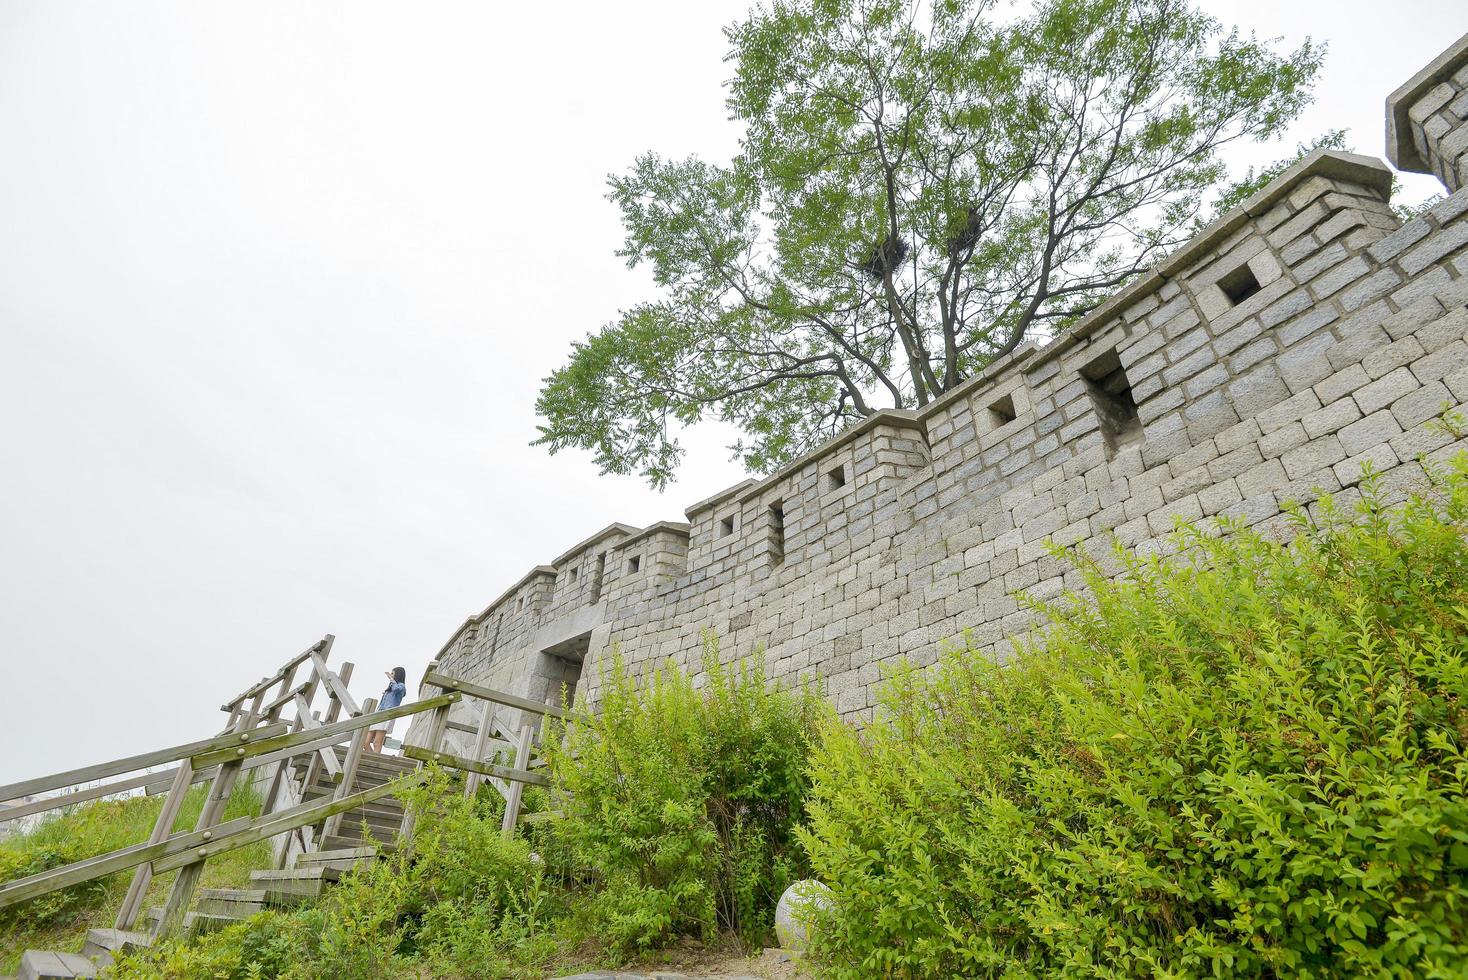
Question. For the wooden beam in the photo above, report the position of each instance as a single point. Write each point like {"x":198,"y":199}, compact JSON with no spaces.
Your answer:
{"x":335,"y":687}
{"x":221,"y":745}
{"x":83,"y":795}
{"x":306,"y":737}
{"x":447,"y":683}
{"x":470,"y":765}
{"x":272,"y":707}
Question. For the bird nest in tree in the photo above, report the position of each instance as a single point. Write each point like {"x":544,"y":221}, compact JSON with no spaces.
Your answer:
{"x":885,"y":256}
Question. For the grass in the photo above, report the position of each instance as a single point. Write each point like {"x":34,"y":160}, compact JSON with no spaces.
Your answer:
{"x":60,"y":921}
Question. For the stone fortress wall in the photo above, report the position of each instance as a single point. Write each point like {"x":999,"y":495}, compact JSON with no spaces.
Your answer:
{"x":1304,"y":334}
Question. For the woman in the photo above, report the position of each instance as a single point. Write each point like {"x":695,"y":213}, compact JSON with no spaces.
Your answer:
{"x":397,"y":689}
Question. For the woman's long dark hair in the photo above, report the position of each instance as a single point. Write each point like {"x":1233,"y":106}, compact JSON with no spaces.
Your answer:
{"x":400,"y":675}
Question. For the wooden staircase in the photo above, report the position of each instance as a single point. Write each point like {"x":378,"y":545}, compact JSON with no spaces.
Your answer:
{"x":331,"y":806}
{"x":310,"y":873}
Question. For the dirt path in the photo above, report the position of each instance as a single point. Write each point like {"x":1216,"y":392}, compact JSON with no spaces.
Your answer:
{"x":699,"y":964}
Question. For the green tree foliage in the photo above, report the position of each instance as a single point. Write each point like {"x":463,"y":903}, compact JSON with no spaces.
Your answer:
{"x":1247,"y":762}
{"x":680,"y":802}
{"x":919,"y":187}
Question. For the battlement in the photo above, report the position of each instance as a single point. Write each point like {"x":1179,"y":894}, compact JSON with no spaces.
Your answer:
{"x":1305,"y":334}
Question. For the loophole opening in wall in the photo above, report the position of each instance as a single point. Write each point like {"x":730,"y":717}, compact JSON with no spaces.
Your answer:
{"x":836,"y":479}
{"x":1002,"y":412}
{"x":726,"y":526}
{"x":1239,"y":284}
{"x":777,"y":533}
{"x":1111,"y":396}
{"x":598,"y":576}
{"x":634,"y":564}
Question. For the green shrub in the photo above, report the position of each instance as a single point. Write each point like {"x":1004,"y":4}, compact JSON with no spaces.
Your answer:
{"x":1247,"y":761}
{"x":680,"y":802}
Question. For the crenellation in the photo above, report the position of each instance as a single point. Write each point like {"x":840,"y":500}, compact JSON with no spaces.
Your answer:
{"x":1305,"y":337}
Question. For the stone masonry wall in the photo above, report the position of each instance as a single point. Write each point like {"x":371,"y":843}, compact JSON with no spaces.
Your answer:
{"x":1302,"y":336}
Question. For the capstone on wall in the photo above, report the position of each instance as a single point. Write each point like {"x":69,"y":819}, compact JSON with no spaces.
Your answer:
{"x":1302,"y":336}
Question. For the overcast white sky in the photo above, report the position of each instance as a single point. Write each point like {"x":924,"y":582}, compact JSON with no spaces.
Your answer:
{"x":278,"y":283}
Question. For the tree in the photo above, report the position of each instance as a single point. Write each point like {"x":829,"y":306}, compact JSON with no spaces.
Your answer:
{"x":921,"y":187}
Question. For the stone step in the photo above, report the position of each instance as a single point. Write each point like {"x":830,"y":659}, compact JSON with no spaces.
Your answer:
{"x":39,"y":964}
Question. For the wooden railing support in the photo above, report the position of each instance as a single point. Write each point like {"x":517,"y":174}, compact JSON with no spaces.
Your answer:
{"x":481,"y":745}
{"x":432,"y":742}
{"x":349,"y":771}
{"x":182,"y":892}
{"x":132,"y":903}
{"x":517,"y":788}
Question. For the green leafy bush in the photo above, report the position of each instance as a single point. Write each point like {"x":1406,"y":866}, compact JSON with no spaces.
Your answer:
{"x":1248,"y":761}
{"x":681,"y":802}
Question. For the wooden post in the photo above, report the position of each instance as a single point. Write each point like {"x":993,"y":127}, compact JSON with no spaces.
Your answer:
{"x":285,"y":685}
{"x":132,"y":904}
{"x":512,"y":800}
{"x":438,"y":720}
{"x":304,"y":716}
{"x":182,"y":892}
{"x":345,"y":676}
{"x":481,"y":740}
{"x":349,"y":771}
{"x":277,"y":780}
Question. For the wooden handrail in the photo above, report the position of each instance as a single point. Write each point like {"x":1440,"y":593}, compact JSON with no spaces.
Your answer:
{"x":83,"y":795}
{"x":24,"y":889}
{"x":220,"y":745}
{"x":293,"y":739}
{"x":470,"y":765}
{"x":447,"y":683}
{"x":290,"y":664}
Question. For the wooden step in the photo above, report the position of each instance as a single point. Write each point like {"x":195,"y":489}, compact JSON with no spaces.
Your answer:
{"x":349,"y":837}
{"x":239,"y":903}
{"x":379,"y":811}
{"x":37,"y":964}
{"x":289,"y":887}
{"x":101,"y":944}
{"x":342,"y":859}
{"x":115,"y":940}
{"x":195,"y":922}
